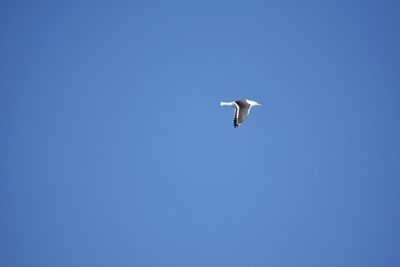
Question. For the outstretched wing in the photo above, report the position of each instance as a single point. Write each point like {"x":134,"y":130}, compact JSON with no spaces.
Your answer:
{"x":241,"y":112}
{"x":236,"y":116}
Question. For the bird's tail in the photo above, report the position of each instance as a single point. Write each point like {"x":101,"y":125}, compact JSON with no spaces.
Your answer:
{"x":225,"y":104}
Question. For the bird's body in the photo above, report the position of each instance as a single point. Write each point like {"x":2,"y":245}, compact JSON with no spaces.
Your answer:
{"x":242,"y":109}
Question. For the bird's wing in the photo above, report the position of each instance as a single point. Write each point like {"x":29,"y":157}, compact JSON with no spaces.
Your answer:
{"x":242,"y":112}
{"x":236,"y":117}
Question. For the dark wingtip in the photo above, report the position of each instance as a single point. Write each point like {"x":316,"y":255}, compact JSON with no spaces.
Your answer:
{"x":235,"y":123}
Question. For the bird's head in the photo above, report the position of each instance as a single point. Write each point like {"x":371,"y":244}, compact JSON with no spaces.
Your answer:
{"x":253,"y":103}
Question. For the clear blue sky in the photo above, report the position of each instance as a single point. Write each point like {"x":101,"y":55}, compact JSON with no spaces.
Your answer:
{"x":114,"y":150}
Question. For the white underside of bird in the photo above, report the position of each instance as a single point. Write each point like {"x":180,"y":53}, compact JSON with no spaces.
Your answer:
{"x":242,"y":109}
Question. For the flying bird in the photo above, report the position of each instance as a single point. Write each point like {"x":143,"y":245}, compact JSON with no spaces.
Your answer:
{"x":242,"y":109}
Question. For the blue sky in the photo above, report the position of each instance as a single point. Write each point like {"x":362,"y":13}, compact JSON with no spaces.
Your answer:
{"x":115,"y":152}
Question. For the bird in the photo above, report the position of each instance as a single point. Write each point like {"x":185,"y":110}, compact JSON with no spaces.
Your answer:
{"x":242,"y":109}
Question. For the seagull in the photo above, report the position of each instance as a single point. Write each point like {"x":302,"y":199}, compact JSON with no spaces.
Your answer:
{"x":242,"y":109}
